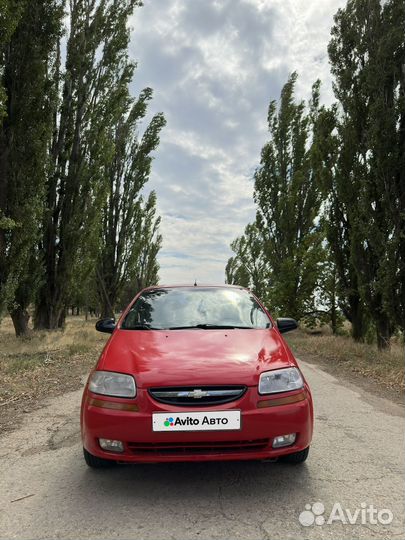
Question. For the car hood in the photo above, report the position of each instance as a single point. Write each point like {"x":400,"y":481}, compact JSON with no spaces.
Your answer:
{"x":195,"y":357}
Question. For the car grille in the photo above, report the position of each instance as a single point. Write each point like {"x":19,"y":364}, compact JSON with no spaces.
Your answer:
{"x":197,"y":448}
{"x":197,"y":396}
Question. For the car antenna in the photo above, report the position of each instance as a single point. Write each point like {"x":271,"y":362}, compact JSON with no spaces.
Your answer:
{"x":195,"y":283}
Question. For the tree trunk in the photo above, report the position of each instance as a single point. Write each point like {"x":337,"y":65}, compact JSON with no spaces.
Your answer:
{"x":107,"y":297}
{"x":4,"y":179}
{"x":358,"y":327}
{"x":383,"y":331}
{"x":333,"y":308}
{"x":41,"y":316}
{"x":62,"y":318}
{"x":106,"y":308}
{"x":356,"y":317}
{"x":20,"y":318}
{"x":333,"y":318}
{"x":48,"y":317}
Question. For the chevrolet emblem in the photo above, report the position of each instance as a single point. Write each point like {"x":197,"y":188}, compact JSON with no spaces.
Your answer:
{"x":197,"y":394}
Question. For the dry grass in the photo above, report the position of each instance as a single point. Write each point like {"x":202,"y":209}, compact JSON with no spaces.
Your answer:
{"x":341,"y":354}
{"x":44,"y":364}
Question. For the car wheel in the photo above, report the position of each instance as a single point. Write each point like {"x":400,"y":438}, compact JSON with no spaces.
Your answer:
{"x":297,"y":457}
{"x":95,"y":462}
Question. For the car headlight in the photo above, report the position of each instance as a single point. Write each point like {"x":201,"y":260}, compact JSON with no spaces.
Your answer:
{"x":280,"y":380}
{"x":112,"y":384}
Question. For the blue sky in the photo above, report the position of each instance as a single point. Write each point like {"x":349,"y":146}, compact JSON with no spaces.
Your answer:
{"x":214,"y":65}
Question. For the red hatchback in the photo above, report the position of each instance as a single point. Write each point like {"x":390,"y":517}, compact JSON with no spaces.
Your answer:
{"x":196,"y":374}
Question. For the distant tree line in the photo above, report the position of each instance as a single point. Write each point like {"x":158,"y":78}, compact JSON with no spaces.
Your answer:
{"x":76,"y":228}
{"x":329,"y":236}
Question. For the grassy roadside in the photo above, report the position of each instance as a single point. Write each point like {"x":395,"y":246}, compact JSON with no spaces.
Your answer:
{"x":361,"y":362}
{"x":43,"y":365}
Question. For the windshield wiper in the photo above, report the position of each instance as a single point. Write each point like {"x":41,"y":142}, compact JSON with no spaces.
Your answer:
{"x":206,"y":326}
{"x":140,"y":326}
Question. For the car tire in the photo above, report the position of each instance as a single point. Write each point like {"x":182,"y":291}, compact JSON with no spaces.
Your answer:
{"x":296,"y":457}
{"x":95,"y":462}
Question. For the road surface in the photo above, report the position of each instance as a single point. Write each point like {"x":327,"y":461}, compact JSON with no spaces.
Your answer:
{"x":357,"y":456}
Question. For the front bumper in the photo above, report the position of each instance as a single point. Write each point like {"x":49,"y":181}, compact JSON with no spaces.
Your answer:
{"x":260,"y":425}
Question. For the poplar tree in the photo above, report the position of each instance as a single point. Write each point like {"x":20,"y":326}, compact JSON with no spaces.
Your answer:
{"x":249,"y":266}
{"x":288,"y":202}
{"x":367,"y":58}
{"x":28,"y":36}
{"x":334,"y":159}
{"x":236,"y":273}
{"x":129,"y":230}
{"x":92,"y":81}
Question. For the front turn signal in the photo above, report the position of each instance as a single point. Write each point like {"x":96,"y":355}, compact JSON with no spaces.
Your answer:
{"x":286,"y":400}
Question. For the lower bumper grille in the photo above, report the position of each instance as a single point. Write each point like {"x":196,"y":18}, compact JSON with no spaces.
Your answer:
{"x":196,"y":448}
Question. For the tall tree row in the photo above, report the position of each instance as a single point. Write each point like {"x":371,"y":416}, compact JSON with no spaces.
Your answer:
{"x":330,"y":186}
{"x":281,"y":253}
{"x":288,"y":202}
{"x":125,"y":217}
{"x":339,"y":188}
{"x":28,"y":59}
{"x":367,"y":54}
{"x":70,"y":156}
{"x":91,"y":88}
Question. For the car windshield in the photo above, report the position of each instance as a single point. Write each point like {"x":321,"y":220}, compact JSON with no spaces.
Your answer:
{"x":195,"y":307}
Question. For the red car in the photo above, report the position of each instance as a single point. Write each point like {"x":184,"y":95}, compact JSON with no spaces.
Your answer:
{"x":196,"y":374}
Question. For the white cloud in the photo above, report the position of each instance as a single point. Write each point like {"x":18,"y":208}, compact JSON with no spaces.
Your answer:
{"x":214,"y":66}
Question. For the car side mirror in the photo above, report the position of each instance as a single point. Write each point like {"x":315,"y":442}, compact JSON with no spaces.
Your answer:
{"x":106,"y":325}
{"x":285,"y":324}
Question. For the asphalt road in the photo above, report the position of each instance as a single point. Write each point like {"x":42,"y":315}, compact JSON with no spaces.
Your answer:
{"x":357,"y":456}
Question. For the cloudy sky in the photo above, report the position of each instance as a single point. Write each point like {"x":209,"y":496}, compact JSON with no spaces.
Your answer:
{"x":214,"y":65}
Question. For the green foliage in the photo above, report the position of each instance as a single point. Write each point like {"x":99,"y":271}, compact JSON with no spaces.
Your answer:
{"x":288,"y":202}
{"x":236,"y":273}
{"x":10,"y":12}
{"x":72,"y":166}
{"x":8,"y":224}
{"x":330,"y":188}
{"x":249,"y":267}
{"x":147,"y":241}
{"x":367,"y":59}
{"x":27,"y":59}
{"x":329,"y":311}
{"x":334,"y":158}
{"x":129,"y":239}
{"x":93,"y":86}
